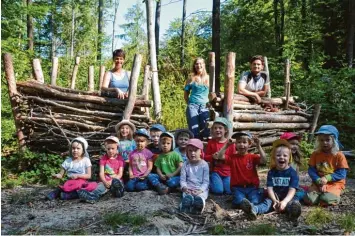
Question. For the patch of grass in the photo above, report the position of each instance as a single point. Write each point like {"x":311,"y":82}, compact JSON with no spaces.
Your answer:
{"x":318,"y":216}
{"x":347,"y":222}
{"x":217,"y":230}
{"x":261,"y":229}
{"x":119,"y":218}
{"x":22,"y":197}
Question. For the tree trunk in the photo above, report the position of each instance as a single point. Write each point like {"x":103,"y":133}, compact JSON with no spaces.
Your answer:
{"x":351,"y":34}
{"x":229,"y":89}
{"x":54,"y":71}
{"x":100,"y":29}
{"x":212,"y":72}
{"x":157,"y":25}
{"x":182,"y":56}
{"x":72,"y":30}
{"x":153,"y":60}
{"x":282,"y":27}
{"x":53,"y":30}
{"x":29,"y":27}
{"x":216,"y":44}
{"x":276,"y":24}
{"x":117,"y":3}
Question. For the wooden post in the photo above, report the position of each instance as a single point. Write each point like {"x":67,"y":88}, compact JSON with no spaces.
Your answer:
{"x":11,"y":83}
{"x":38,"y":71}
{"x":266,"y":69}
{"x":91,"y":83}
{"x":287,"y":82}
{"x":102,"y":74}
{"x":133,"y":86}
{"x":54,"y":71}
{"x":75,"y":71}
{"x":316,"y":114}
{"x":212,"y":60}
{"x":229,"y":89}
{"x":146,"y":85}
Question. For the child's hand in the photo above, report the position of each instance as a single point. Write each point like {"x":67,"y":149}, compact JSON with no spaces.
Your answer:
{"x":73,"y":176}
{"x":256,"y":140}
{"x":107,"y":184}
{"x":168,"y":176}
{"x":196,"y":192}
{"x":282,"y":206}
{"x":58,"y":176}
{"x":323,"y":188}
{"x":186,"y":190}
{"x":323,"y":181}
{"x":275,"y":205}
{"x":230,"y":142}
{"x":163,"y":177}
{"x":215,"y":156}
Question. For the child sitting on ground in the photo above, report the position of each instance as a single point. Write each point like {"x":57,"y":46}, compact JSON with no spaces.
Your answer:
{"x":282,"y":182}
{"x":327,"y":169}
{"x":194,"y":179}
{"x":294,"y":141}
{"x":140,"y":163}
{"x":182,"y":136}
{"x":221,"y":171}
{"x":78,"y":169}
{"x":168,"y":165}
{"x":111,"y":171}
{"x":244,"y":175}
{"x":155,"y":131}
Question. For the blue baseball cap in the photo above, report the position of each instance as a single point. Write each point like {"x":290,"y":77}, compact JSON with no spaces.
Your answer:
{"x":331,"y":130}
{"x":242,"y":133}
{"x":158,"y":127}
{"x":142,"y":132}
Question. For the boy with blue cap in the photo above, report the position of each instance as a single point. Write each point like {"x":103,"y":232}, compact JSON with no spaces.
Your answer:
{"x":155,"y":131}
{"x":327,"y":168}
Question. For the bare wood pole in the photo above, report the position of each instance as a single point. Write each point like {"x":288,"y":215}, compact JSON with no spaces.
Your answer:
{"x":287,"y":82}
{"x":54,"y":71}
{"x":212,"y":68}
{"x":316,"y":114}
{"x":91,"y":83}
{"x":146,"y":85}
{"x":75,"y":72}
{"x":133,"y":86}
{"x":38,"y":71}
{"x":229,"y":89}
{"x":102,"y":74}
{"x":11,"y":83}
{"x":266,"y":69}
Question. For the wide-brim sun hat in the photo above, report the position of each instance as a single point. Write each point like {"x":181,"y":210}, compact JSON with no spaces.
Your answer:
{"x":242,"y":133}
{"x":125,"y":122}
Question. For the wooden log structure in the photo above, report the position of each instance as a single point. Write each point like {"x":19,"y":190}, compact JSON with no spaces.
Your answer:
{"x":229,"y":89}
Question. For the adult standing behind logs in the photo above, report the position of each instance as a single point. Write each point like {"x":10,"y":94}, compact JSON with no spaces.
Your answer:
{"x":196,"y":97}
{"x":255,"y":83}
{"x":117,"y":79}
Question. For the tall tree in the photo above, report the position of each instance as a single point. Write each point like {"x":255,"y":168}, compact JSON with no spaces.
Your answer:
{"x":182,"y":55}
{"x":279,"y":23}
{"x":30,"y":26}
{"x":100,"y":29}
{"x":157,"y":25}
{"x":72,"y":31}
{"x":216,"y":41}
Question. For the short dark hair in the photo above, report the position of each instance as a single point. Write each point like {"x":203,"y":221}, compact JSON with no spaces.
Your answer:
{"x":257,"y":57}
{"x":118,"y":53}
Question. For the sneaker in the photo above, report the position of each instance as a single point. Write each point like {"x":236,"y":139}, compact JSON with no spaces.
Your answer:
{"x":294,"y":210}
{"x":117,"y":188}
{"x":87,"y":196}
{"x":198,"y":205}
{"x":248,"y":208}
{"x":162,"y":189}
{"x":186,"y":203}
{"x":53,"y":195}
{"x":69,"y":195}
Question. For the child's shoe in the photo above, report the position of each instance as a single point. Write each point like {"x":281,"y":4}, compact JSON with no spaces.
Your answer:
{"x":117,"y":188}
{"x":294,"y":210}
{"x":248,"y":208}
{"x":87,"y":196}
{"x":162,"y":189}
{"x":54,"y":194}
{"x":69,"y":195}
{"x":186,"y":203}
{"x":198,"y":205}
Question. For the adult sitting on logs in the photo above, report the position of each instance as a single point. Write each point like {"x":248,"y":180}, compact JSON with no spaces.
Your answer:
{"x":196,"y":112}
{"x":117,"y":79}
{"x":255,"y":83}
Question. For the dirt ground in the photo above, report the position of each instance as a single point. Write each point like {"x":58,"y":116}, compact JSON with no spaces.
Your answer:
{"x":25,"y":211}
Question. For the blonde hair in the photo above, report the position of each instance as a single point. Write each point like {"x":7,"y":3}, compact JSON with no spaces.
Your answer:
{"x":130,"y":135}
{"x":335,"y":147}
{"x":204,"y":75}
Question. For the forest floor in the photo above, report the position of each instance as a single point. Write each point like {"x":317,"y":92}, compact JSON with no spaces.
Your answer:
{"x":25,"y":211}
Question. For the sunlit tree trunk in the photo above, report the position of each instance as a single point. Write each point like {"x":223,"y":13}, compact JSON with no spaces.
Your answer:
{"x":53,"y":30}
{"x":99,"y":28}
{"x":30,"y":27}
{"x":216,"y":43}
{"x":117,"y":3}
{"x":182,"y":57}
{"x":157,"y":25}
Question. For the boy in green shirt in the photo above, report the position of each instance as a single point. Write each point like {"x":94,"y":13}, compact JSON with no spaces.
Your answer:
{"x":168,"y":166}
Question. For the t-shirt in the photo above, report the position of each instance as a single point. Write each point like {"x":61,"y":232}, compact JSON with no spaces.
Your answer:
{"x":218,"y":166}
{"x":154,"y":149}
{"x":327,"y":163}
{"x":199,"y":93}
{"x":111,"y":166}
{"x":138,"y":161}
{"x":168,"y":162}
{"x":183,"y":156}
{"x":243,"y":169}
{"x":282,"y":181}
{"x":126,"y":147}
{"x":256,"y":83}
{"x":76,"y":167}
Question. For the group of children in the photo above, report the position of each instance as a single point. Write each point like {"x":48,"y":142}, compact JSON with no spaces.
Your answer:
{"x":137,"y":160}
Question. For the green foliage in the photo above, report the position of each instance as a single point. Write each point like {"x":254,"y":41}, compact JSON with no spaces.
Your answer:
{"x":217,"y":230}
{"x":318,"y":216}
{"x":347,"y":222}
{"x":261,"y":229}
{"x":118,"y":218}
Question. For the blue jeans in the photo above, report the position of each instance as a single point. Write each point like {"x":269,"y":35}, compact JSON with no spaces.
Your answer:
{"x":266,"y":205}
{"x":136,"y":184}
{"x":155,"y":180}
{"x":253,"y":194}
{"x":197,"y":116}
{"x":220,"y":184}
